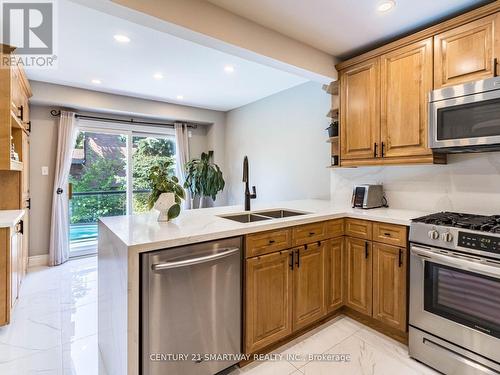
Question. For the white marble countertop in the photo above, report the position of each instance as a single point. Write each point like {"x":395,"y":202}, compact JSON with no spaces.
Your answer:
{"x":144,"y":233}
{"x":9,"y":218}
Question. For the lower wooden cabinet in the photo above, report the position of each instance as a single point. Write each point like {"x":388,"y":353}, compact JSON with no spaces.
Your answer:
{"x":309,"y":285}
{"x":334,"y":273}
{"x":268,"y":299}
{"x":389,"y":285}
{"x":359,"y":275}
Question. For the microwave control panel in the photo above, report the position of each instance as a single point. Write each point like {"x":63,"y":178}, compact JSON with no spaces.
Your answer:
{"x":479,"y":242}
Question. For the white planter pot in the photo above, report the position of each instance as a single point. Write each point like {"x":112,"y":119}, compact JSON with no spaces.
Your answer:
{"x":163,"y":204}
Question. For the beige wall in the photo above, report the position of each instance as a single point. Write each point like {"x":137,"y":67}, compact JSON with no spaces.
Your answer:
{"x":44,"y":140}
{"x":284,"y":137}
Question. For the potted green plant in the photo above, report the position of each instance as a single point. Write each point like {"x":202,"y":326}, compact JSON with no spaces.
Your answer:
{"x":203,"y":178}
{"x":166,"y":192}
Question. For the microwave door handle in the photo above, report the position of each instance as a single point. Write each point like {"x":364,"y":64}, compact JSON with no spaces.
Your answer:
{"x":190,"y":262}
{"x":471,"y":265}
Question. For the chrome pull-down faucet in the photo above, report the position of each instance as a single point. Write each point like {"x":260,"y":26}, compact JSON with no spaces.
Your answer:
{"x":248,"y":195}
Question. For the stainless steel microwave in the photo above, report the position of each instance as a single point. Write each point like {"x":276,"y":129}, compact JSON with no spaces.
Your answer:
{"x":465,"y":118}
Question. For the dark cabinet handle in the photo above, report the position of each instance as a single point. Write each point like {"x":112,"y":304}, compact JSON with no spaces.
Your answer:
{"x":387,"y":234}
{"x":21,"y":227}
{"x":297,"y":263}
{"x":291,"y":260}
{"x":382,"y":149}
{"x":271,"y":242}
{"x":366,"y":250}
{"x":28,"y":203}
{"x":28,"y":128}
{"x":400,"y":260}
{"x":375,"y":150}
{"x":311,"y":234}
{"x":21,"y":112}
{"x":495,"y":64}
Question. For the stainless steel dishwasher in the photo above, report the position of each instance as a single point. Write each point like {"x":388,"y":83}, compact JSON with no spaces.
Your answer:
{"x":191,"y":308}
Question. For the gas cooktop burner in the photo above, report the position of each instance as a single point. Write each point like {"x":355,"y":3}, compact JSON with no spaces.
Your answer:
{"x":458,"y":220}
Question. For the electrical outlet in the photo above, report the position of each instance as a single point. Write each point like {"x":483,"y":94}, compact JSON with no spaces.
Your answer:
{"x":45,"y":171}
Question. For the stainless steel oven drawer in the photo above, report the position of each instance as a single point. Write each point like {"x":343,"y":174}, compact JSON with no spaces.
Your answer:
{"x":446,"y":357}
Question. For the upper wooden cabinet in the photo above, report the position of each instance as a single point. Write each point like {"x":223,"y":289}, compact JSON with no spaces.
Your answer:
{"x":309,"y":285}
{"x":467,"y":53}
{"x":360,"y":110}
{"x":268,"y":299}
{"x":406,"y":80}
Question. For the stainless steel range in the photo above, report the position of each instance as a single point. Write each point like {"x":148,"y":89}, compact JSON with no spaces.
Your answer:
{"x":455,"y":293}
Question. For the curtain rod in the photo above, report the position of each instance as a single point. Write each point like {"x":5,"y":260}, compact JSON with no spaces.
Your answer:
{"x":56,"y":113}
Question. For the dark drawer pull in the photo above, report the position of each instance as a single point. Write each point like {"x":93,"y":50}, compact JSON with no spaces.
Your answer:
{"x":291,"y":260}
{"x":387,"y":234}
{"x":21,"y":112}
{"x":311,"y":234}
{"x":271,"y":242}
{"x":400,"y":260}
{"x":366,"y":250}
{"x":298,"y":258}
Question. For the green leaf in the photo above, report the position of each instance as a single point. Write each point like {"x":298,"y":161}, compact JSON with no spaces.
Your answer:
{"x":174,"y":211}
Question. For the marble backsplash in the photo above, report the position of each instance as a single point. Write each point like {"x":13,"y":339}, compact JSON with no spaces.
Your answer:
{"x":468,"y":183}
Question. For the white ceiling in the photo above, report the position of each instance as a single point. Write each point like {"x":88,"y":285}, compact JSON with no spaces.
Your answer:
{"x":87,"y":50}
{"x":340,"y":27}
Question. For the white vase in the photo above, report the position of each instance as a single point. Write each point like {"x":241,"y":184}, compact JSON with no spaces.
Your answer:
{"x":163,"y":204}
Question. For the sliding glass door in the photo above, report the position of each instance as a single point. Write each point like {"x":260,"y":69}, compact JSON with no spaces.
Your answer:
{"x":109,"y":176}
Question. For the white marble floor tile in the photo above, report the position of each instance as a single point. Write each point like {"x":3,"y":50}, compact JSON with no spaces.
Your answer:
{"x":268,"y":368}
{"x":78,"y":322}
{"x":47,"y":362}
{"x":81,"y":357}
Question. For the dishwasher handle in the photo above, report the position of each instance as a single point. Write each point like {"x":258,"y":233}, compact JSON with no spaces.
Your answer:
{"x":190,"y":262}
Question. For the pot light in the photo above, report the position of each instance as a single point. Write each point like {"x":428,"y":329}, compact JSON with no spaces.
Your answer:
{"x":229,"y":69}
{"x":121,"y":38}
{"x":386,"y":6}
{"x":96,"y":81}
{"x":180,"y":97}
{"x":158,"y":76}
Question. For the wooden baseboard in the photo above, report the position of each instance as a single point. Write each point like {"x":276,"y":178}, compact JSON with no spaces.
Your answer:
{"x":38,"y":260}
{"x":376,"y":325}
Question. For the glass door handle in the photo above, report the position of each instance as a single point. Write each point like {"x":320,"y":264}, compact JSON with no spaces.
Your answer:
{"x":190,"y":262}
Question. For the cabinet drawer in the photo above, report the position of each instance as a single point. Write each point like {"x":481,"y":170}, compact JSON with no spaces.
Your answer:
{"x":335,"y":228}
{"x":358,"y":228}
{"x":308,"y":233}
{"x":267,"y":242}
{"x":390,"y":234}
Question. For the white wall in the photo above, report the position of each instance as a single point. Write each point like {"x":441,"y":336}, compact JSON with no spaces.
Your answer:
{"x":284,"y":137}
{"x":468,"y":183}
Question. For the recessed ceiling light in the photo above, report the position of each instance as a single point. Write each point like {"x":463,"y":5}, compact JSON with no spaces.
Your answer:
{"x":96,"y":81}
{"x":121,"y":38}
{"x":180,"y":97}
{"x":158,"y":76}
{"x":229,"y":68}
{"x":386,"y":5}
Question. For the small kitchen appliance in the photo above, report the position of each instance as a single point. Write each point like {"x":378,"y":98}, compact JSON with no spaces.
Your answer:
{"x":368,"y":196}
{"x":455,"y":293}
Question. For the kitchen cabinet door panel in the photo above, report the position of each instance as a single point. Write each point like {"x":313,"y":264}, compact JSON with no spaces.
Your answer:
{"x":359,"y":275}
{"x":268,"y":300}
{"x":334,"y":274}
{"x":406,"y":80}
{"x":309,"y":285}
{"x":467,"y":53}
{"x":389,"y":285}
{"x":360,"y":110}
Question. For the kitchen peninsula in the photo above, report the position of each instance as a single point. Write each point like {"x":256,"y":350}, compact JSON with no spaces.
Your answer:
{"x":123,"y":239}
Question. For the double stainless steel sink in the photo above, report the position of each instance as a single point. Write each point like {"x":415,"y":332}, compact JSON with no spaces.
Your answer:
{"x":251,"y":217}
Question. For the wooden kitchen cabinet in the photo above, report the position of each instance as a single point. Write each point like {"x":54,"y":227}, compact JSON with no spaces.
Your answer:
{"x":359,"y":275}
{"x":334,"y":274}
{"x":360,"y":110}
{"x":389,"y":285}
{"x":467,"y":53}
{"x":405,"y":83}
{"x":309,"y":285}
{"x":268,"y":299}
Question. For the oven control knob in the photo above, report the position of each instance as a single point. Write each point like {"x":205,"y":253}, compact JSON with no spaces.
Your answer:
{"x":447,"y":237}
{"x":433,"y":234}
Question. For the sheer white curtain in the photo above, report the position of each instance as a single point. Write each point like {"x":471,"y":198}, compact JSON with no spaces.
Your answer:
{"x":59,"y":229}
{"x":182,"y":156}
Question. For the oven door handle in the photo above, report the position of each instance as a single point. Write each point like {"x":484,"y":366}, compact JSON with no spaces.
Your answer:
{"x":471,"y":265}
